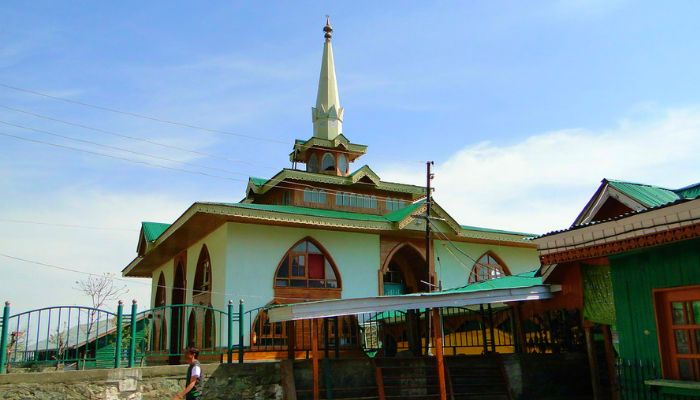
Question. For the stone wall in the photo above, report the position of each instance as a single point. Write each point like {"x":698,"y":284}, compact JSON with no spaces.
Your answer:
{"x":259,"y":381}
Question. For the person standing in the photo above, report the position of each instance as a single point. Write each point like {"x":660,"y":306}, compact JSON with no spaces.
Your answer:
{"x":193,"y":381}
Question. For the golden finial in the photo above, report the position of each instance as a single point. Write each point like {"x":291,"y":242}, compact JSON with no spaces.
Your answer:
{"x":328,"y":29}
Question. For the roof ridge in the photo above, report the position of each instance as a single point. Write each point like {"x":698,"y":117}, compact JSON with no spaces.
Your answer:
{"x":640,"y":184}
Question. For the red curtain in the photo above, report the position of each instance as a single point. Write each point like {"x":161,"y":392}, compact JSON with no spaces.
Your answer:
{"x":316,"y":270}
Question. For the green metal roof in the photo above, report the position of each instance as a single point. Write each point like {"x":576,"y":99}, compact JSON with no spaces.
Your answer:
{"x":258,"y":181}
{"x":479,"y":229}
{"x":526,"y":279}
{"x":153,"y":230}
{"x":689,"y":192}
{"x":647,"y":195}
{"x":313,"y":212}
{"x":402,"y":213}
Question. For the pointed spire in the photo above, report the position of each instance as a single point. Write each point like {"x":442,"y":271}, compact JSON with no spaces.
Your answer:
{"x":327,"y":116}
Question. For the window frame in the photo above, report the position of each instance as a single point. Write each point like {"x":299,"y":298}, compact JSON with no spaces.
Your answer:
{"x":666,"y":328}
{"x":292,"y":253}
{"x":474,"y":274}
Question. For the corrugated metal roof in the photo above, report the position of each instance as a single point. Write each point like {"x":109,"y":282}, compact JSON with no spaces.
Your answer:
{"x":313,"y":212}
{"x":648,"y":195}
{"x":153,"y":230}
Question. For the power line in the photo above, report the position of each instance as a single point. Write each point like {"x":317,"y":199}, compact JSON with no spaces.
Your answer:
{"x":115,"y":157}
{"x":135,"y":138}
{"x":142,"y":116}
{"x":20,"y":221}
{"x":156,"y":119}
{"x":130,"y":280}
{"x":123,"y":136}
{"x":107,"y":146}
{"x":378,"y":198}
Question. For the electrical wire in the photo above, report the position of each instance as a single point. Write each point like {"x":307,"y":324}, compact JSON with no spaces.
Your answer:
{"x":142,"y":116}
{"x":107,"y":146}
{"x":157,"y":119}
{"x":20,"y":221}
{"x":378,"y":198}
{"x":131,"y":280}
{"x":135,"y":138}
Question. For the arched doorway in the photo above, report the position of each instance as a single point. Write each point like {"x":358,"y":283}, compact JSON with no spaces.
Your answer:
{"x":405,"y":271}
{"x":177,"y":313}
{"x":160,"y":328}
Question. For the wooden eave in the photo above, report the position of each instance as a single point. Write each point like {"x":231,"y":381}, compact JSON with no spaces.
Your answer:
{"x":303,"y":176}
{"x":339,"y":142}
{"x":676,"y":222}
{"x":203,"y":218}
{"x":604,"y":192}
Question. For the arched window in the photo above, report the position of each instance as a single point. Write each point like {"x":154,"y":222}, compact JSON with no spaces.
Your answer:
{"x":328,"y":162}
{"x":192,"y":329}
{"x":209,"y":329}
{"x":488,"y":267}
{"x":160,"y":292}
{"x":312,"y":164}
{"x":306,"y":265}
{"x":342,"y":164}
{"x":202,"y":277}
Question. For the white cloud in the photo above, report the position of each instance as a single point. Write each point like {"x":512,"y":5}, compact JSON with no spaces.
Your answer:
{"x":98,"y":251}
{"x":541,"y":183}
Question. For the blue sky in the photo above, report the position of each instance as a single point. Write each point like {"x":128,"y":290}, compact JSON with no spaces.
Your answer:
{"x":524,"y":106}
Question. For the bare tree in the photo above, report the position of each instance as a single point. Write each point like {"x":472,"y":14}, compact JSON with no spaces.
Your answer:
{"x":100,"y":289}
{"x":59,"y":340}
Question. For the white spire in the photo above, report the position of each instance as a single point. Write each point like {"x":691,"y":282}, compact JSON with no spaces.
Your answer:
{"x":327,"y":116}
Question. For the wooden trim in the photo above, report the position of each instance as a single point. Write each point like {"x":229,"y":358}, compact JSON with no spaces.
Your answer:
{"x":624,"y":245}
{"x":610,"y":361}
{"x":379,"y":378}
{"x":592,"y":361}
{"x":437,"y":332}
{"x":663,"y":320}
{"x":315,"y":356}
{"x":326,"y":254}
{"x":499,"y":261}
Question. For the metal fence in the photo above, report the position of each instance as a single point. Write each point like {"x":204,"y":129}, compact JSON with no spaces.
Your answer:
{"x":631,"y":375}
{"x":75,"y":337}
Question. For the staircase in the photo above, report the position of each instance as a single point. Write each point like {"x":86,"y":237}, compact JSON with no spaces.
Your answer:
{"x":476,"y":378}
{"x":467,"y":378}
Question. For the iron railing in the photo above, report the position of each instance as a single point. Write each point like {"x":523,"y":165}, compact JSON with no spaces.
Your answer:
{"x":76,"y":337}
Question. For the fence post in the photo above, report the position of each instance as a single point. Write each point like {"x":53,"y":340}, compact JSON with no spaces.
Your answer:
{"x":132,"y":338}
{"x":118,"y":344}
{"x":3,"y":337}
{"x":229,"y":352}
{"x":240,"y":331}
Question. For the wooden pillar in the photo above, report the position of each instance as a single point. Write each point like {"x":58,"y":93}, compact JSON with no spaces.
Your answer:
{"x":336,"y":344}
{"x":610,"y":360}
{"x":437,"y":332}
{"x":291,"y":340}
{"x":326,"y":338}
{"x":314,"y":358}
{"x":592,"y":362}
{"x":519,"y":336}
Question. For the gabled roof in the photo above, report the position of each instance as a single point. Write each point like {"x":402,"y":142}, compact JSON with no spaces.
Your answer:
{"x":261,"y":185}
{"x":635,"y":196}
{"x":152,"y":230}
{"x":339,"y":142}
{"x":202,"y":218}
{"x":647,"y":195}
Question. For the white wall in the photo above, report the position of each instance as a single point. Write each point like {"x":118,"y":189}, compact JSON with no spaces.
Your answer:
{"x":453,"y":270}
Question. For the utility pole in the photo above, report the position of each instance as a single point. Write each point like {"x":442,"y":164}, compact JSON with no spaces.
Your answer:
{"x":428,"y":203}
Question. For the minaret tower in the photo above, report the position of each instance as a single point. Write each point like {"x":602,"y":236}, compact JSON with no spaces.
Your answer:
{"x":327,"y":116}
{"x":328,"y":151}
